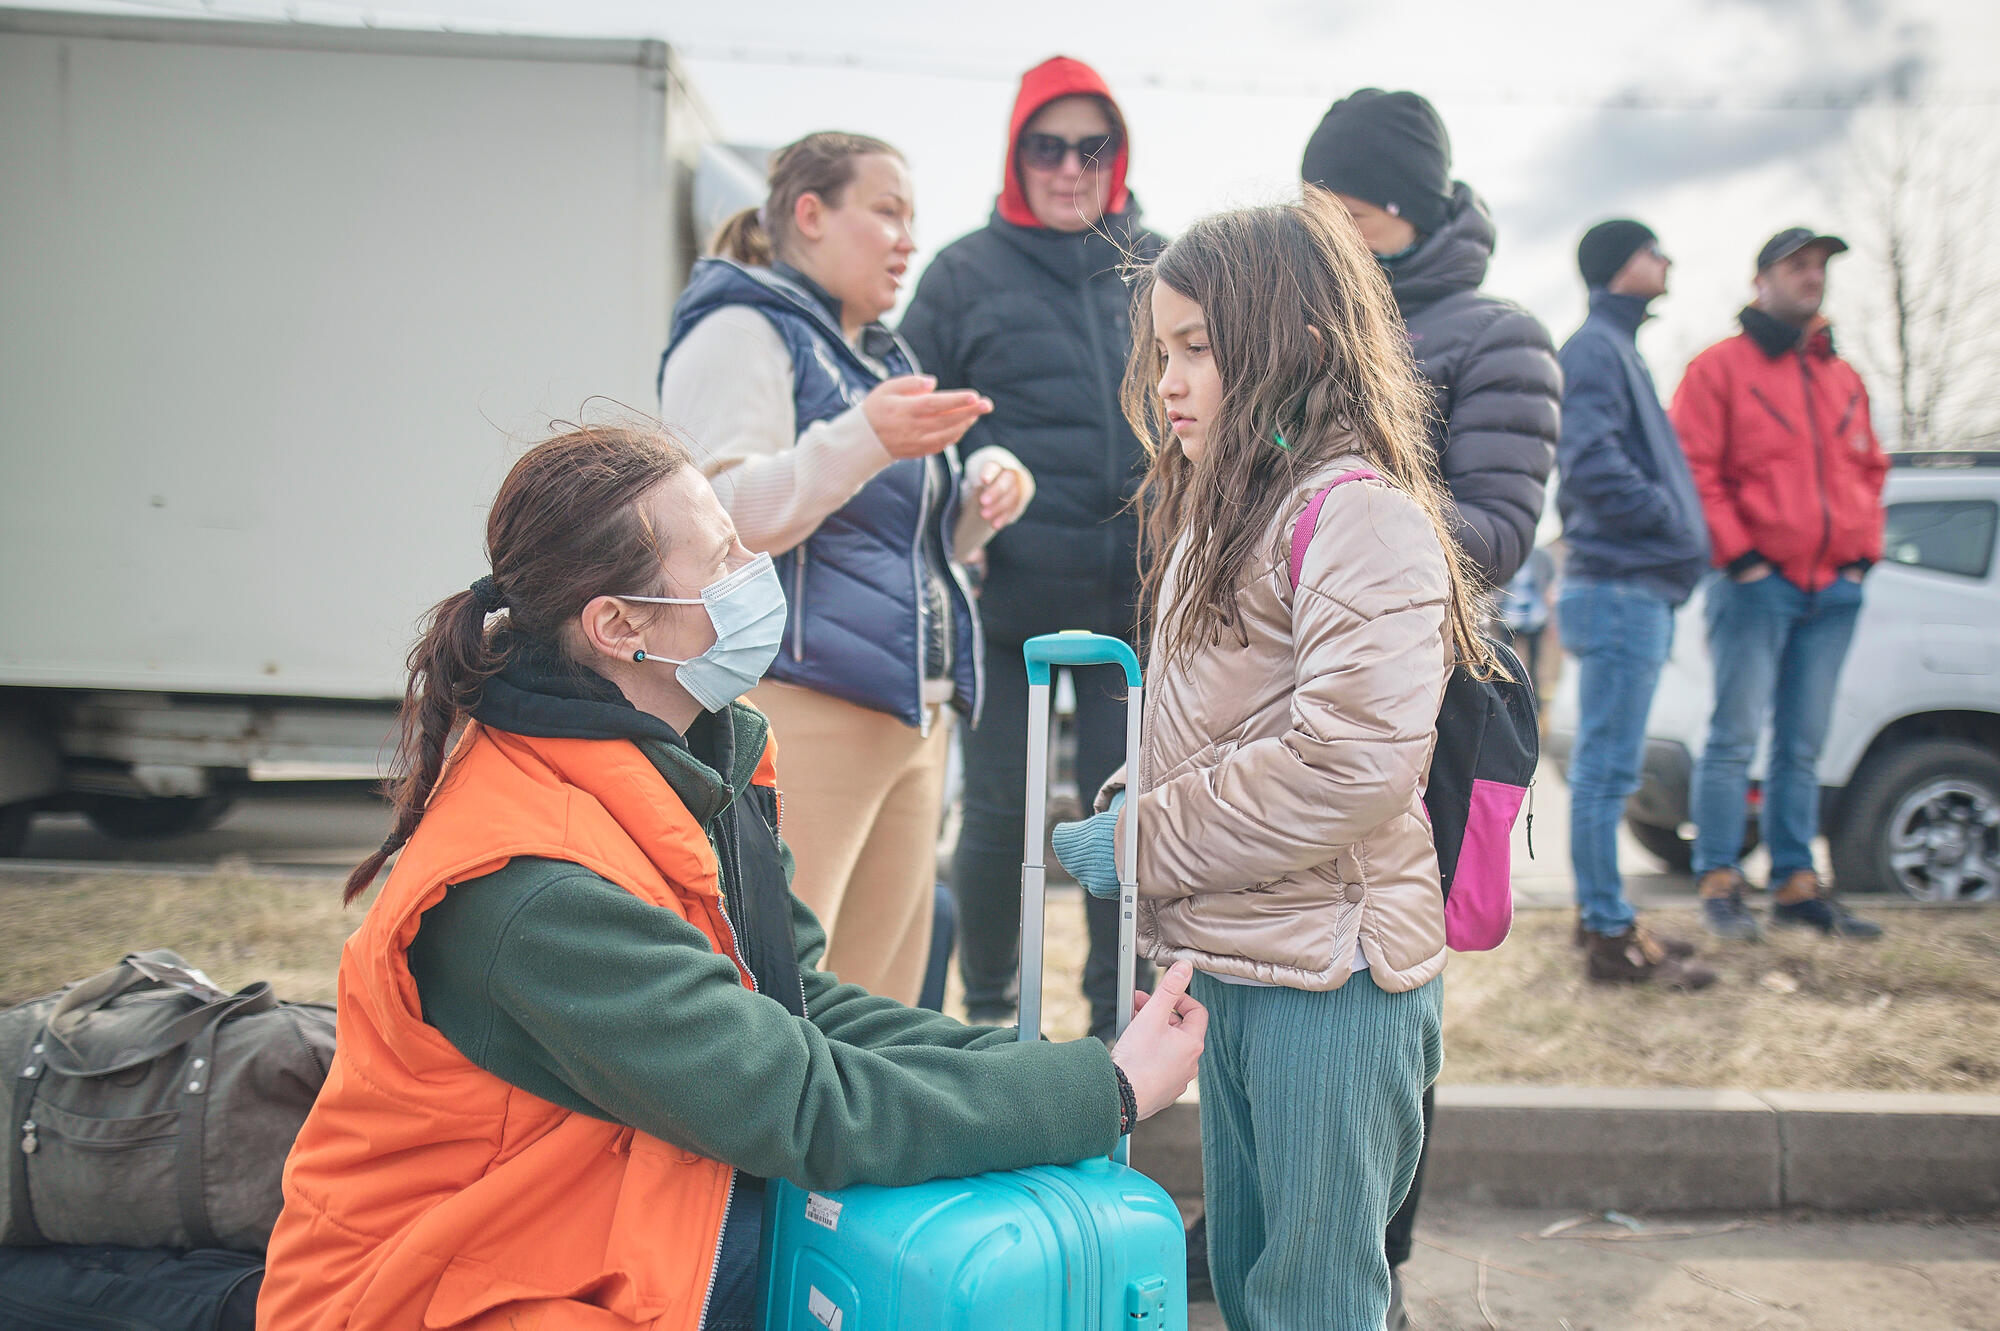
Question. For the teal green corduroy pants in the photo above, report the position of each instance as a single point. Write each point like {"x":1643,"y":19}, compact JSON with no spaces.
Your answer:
{"x":1311,"y":1123}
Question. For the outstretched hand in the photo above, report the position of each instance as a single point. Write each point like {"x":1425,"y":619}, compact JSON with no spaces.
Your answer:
{"x":913,"y":421}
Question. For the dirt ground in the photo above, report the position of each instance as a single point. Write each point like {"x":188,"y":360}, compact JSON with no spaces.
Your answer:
{"x":1483,"y":1269}
{"x":1914,"y":1012}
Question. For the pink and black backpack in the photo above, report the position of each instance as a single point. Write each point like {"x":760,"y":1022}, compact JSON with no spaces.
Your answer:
{"x":1487,"y":747}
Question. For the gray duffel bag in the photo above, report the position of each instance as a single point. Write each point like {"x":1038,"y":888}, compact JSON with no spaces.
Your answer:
{"x":151,"y":1109}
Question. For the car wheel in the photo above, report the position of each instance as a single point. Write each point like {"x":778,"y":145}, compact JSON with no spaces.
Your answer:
{"x":1924,"y":819}
{"x":1676,"y":852}
{"x":149,"y":818}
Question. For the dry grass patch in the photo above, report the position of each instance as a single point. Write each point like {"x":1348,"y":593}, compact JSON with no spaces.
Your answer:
{"x":237,"y":928}
{"x":1917,"y":1011}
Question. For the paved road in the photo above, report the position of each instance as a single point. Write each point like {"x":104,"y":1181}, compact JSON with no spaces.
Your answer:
{"x":1768,"y":1272}
{"x":266,"y":828}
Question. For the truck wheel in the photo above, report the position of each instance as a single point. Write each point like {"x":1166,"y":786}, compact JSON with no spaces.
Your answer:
{"x":1669,"y":847}
{"x":142,"y":818}
{"x":14,"y":821}
{"x":1923,"y":818}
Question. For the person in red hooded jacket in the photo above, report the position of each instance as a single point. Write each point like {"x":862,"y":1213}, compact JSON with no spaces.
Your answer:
{"x":1776,"y":429}
{"x":1031,"y":311}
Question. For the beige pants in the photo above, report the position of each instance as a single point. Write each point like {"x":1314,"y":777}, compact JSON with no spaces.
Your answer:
{"x":862,"y":797}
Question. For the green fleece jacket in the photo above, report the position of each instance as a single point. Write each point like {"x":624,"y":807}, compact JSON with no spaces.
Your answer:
{"x":566,"y":985}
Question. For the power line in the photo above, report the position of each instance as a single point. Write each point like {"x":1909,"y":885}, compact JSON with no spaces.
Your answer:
{"x":1310,"y":87}
{"x":1891,"y":94}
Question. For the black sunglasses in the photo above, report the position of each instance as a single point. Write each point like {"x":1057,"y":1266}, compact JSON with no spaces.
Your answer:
{"x":1046,"y":152}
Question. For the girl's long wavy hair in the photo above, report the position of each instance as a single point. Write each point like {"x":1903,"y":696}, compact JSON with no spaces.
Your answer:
{"x":566,"y":526}
{"x":1305,"y":336}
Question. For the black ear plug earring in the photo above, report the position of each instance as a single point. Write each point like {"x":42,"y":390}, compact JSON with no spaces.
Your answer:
{"x":639,"y":655}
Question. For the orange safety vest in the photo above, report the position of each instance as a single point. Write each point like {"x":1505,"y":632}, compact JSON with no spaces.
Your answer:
{"x":423,"y":1191}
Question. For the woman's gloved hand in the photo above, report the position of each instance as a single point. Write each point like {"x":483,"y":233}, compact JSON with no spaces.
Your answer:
{"x":1089,"y":849}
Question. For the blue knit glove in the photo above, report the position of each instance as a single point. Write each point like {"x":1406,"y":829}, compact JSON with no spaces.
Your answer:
{"x":1089,"y":849}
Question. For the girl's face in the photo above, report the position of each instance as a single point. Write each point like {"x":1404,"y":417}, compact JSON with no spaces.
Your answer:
{"x":1190,"y":386}
{"x":860,"y":250}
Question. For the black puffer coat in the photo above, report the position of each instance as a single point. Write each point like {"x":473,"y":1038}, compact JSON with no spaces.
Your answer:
{"x":1499,"y":390}
{"x":1040,"y":321}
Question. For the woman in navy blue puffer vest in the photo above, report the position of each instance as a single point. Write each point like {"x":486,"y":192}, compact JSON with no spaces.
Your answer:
{"x":832,"y":453}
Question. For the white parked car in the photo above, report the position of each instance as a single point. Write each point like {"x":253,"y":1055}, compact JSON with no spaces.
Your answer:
{"x":1910,"y":774}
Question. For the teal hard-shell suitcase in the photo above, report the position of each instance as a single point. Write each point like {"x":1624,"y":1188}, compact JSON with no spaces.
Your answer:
{"x":1083,"y":1247}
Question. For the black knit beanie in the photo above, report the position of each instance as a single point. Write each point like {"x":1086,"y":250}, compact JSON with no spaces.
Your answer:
{"x":1387,"y":148}
{"x":1606,"y":247}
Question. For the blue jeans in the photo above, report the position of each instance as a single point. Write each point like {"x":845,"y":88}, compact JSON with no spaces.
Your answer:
{"x":1620,"y":634}
{"x":1777,"y":653}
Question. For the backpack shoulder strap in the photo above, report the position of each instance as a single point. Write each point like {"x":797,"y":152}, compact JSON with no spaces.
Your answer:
{"x":1302,"y":531}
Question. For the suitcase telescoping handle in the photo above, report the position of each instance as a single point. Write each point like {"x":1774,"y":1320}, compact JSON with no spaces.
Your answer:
{"x":1076,"y":648}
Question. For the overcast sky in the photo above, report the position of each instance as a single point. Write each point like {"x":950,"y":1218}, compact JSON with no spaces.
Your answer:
{"x":1684,"y":113}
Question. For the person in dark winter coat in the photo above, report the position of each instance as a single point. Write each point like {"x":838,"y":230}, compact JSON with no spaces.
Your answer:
{"x":1031,"y":311}
{"x":1637,"y":547}
{"x":1489,"y":362}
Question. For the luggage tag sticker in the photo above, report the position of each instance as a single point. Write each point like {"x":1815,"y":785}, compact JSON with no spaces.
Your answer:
{"x":824,"y":1310}
{"x":199,"y":985}
{"x":823,"y":1211}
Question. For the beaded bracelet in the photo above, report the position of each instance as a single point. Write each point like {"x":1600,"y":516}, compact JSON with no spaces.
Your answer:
{"x":1128,"y":1103}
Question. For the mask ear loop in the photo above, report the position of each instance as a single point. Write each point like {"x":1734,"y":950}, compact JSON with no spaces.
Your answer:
{"x":641,"y":656}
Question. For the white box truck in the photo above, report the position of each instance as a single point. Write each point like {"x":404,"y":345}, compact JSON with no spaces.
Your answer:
{"x":279,"y":304}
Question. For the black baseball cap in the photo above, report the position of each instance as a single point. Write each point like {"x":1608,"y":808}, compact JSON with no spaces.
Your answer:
{"x":1793,"y":239}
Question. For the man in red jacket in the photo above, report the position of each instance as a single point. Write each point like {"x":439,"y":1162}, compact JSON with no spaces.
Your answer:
{"x":1777,"y":434}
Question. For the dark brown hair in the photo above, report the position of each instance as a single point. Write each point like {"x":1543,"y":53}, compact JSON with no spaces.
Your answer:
{"x":821,"y":164}
{"x":1307,"y":342}
{"x":566,"y":526}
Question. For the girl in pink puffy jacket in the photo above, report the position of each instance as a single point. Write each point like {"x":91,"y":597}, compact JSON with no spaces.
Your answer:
{"x":1284,"y":849}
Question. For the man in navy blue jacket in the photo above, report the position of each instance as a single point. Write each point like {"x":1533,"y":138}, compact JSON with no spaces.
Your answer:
{"x":1638,"y":544}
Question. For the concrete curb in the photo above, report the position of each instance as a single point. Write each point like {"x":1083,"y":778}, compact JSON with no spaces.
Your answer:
{"x":1678,"y":1150}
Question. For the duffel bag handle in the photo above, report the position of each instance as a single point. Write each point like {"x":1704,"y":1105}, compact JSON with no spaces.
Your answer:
{"x":157,"y":968}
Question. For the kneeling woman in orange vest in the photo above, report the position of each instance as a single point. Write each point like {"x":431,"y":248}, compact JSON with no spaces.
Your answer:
{"x":582,"y":1022}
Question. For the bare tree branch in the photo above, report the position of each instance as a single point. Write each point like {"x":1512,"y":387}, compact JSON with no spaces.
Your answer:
{"x":1920,"y":196}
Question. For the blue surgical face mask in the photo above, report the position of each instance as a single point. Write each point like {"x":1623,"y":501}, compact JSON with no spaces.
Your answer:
{"x":747,"y":607}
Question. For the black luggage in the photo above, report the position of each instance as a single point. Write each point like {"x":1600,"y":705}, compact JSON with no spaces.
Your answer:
{"x":102,"y":1288}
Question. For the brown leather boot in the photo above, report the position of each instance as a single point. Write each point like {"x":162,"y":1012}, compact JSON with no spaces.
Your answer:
{"x":1635,"y":958}
{"x":1677,"y":948}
